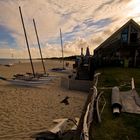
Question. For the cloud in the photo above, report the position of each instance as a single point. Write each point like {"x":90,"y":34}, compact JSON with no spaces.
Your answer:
{"x":124,"y":1}
{"x":104,"y":4}
{"x":82,"y":22}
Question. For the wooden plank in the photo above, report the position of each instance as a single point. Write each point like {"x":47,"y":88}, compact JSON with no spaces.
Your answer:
{"x":85,"y":124}
{"x":132,"y":83}
{"x":61,"y":124}
{"x":75,"y":126}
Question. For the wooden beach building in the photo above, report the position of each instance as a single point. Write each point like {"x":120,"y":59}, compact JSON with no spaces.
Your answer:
{"x":122,"y":48}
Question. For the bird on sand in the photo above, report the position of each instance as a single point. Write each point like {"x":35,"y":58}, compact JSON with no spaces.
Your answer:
{"x":65,"y":100}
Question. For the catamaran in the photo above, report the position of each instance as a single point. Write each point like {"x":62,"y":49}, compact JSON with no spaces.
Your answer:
{"x":34,"y":78}
{"x":62,"y":69}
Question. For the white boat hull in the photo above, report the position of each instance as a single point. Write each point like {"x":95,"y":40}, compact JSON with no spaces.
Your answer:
{"x":33,"y":82}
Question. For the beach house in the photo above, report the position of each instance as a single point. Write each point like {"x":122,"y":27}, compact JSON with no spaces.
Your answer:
{"x":122,"y":48}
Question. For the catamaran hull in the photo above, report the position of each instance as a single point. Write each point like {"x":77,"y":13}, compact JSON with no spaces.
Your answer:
{"x":29,"y":83}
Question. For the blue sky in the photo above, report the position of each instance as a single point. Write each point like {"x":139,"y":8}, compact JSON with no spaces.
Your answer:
{"x":6,"y":37}
{"x":83,"y":23}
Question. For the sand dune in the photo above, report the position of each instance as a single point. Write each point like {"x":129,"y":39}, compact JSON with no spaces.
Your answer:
{"x":27,"y":110}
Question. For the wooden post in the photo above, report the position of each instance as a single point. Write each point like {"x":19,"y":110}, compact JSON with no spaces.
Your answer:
{"x":129,"y":31}
{"x":135,"y":58}
{"x":62,"y":47}
{"x":132,"y":83}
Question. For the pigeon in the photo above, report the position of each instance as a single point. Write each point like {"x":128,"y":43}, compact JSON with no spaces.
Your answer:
{"x":65,"y":100}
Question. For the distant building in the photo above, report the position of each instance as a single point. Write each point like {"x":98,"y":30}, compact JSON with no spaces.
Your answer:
{"x":121,"y":49}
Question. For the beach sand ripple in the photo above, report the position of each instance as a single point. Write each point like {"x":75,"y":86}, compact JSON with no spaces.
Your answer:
{"x":25,"y":111}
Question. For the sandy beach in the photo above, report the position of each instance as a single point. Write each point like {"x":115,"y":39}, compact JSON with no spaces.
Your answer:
{"x":27,"y":110}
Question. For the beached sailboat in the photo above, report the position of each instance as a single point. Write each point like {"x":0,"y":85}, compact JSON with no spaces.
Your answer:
{"x":62,"y":69}
{"x":9,"y":64}
{"x":33,"y":82}
{"x":28,"y":79}
{"x":43,"y":75}
{"x":10,"y":61}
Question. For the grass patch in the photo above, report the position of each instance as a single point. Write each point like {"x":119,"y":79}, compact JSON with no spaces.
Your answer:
{"x":126,"y":126}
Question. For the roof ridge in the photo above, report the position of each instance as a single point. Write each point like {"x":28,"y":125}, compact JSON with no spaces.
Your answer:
{"x":117,"y":31}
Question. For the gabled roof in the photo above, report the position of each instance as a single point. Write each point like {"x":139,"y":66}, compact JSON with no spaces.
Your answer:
{"x":131,"y":21}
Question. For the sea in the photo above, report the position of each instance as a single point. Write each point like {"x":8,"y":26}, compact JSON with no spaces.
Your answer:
{"x":6,"y":61}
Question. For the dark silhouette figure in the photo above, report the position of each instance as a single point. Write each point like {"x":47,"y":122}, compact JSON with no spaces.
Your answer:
{"x":65,"y":100}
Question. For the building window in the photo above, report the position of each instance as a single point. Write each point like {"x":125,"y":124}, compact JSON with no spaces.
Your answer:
{"x":124,"y":35}
{"x":133,"y":34}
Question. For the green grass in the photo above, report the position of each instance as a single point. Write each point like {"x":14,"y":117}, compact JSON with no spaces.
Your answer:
{"x":126,"y":126}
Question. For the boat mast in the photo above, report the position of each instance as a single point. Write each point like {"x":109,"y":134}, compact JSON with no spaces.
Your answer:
{"x":39,"y":46}
{"x":62,"y":47}
{"x":27,"y":41}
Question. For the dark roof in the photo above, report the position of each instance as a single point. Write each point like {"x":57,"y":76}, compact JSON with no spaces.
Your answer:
{"x":131,"y":21}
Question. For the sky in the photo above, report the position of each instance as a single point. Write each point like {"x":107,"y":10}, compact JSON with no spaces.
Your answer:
{"x":84,"y":23}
